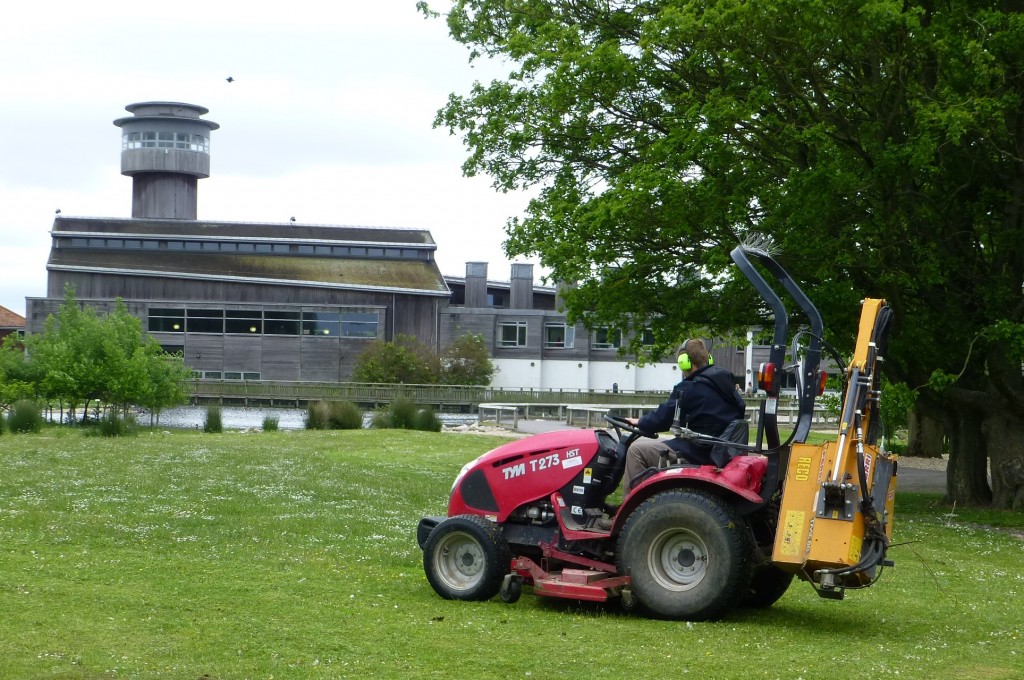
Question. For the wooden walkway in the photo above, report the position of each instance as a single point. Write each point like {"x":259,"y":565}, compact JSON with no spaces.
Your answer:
{"x":591,"y":415}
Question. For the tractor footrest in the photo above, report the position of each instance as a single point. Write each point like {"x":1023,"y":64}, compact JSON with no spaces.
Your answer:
{"x":582,"y":575}
{"x":596,"y":588}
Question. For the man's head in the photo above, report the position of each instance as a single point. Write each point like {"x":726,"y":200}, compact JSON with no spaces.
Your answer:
{"x":692,"y":355}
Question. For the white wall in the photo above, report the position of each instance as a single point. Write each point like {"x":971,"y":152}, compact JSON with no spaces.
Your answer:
{"x":584,"y":375}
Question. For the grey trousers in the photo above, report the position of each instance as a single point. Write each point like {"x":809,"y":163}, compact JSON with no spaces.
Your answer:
{"x":642,"y":454}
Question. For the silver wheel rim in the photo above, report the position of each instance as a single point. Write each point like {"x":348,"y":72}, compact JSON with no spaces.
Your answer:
{"x":459,"y":560}
{"x":678,"y":559}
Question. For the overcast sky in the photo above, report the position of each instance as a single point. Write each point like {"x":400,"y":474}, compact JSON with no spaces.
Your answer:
{"x":329,"y":119}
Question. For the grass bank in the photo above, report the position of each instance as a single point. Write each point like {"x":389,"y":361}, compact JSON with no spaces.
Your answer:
{"x":292,"y":555}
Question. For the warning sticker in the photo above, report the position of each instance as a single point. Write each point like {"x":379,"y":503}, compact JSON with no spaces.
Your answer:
{"x":855,"y":546}
{"x":792,"y":530}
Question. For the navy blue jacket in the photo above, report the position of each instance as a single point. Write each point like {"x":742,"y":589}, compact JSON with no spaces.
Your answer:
{"x":708,"y":401}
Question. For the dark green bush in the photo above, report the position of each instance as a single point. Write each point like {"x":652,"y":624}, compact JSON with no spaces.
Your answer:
{"x":403,"y":414}
{"x":345,"y":415}
{"x":113,"y":425}
{"x":270,"y":423}
{"x":214,"y":422}
{"x":427,"y":421}
{"x":318,"y":415}
{"x":25,"y":417}
{"x":381,"y":420}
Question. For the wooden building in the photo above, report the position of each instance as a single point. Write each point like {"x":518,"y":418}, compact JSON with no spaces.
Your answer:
{"x":243,"y":301}
{"x":300,"y":302}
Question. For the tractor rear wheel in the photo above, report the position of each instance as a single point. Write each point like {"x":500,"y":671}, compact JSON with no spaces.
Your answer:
{"x":687,"y":553}
{"x":465,"y":558}
{"x":767,"y":585}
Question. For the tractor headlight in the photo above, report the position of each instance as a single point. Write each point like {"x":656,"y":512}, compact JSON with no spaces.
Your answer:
{"x":462,"y":473}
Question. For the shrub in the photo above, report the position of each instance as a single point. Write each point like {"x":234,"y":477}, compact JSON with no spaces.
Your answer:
{"x":213,"y":423}
{"x":25,"y":417}
{"x":403,"y":414}
{"x":113,"y":425}
{"x":270,"y":423}
{"x":427,"y":421}
{"x":318,"y":415}
{"x":344,"y":415}
{"x":381,"y":420}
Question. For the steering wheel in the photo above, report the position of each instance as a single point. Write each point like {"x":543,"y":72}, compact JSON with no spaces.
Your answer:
{"x":623,"y":424}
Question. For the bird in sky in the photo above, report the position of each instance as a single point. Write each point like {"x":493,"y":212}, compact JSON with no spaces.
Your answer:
{"x":230,"y":79}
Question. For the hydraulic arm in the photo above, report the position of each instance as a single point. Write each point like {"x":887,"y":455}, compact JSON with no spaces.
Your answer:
{"x":838,"y":499}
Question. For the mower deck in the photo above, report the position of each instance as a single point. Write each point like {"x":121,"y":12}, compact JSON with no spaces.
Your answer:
{"x":591,"y":585}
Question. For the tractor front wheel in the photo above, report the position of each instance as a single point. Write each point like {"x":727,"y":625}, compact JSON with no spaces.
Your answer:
{"x":687,"y":554}
{"x":465,"y":558}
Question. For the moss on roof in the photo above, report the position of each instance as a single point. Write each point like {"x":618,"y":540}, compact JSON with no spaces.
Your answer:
{"x":367,"y":273}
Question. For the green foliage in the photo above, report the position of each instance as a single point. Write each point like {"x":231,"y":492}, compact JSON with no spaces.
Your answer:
{"x":405,"y":360}
{"x":81,"y":356}
{"x":877,"y":144}
{"x":270,"y":423}
{"x":3,"y":421}
{"x":467,"y":362}
{"x":897,"y":400}
{"x":402,"y":414}
{"x":112,"y":424}
{"x":334,"y":415}
{"x":405,"y":415}
{"x":317,"y":416}
{"x":344,"y":415}
{"x":25,"y":417}
{"x":426,"y":420}
{"x":214,"y":421}
{"x":18,"y":376}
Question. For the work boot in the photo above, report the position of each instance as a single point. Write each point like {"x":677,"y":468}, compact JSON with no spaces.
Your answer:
{"x":597,"y":520}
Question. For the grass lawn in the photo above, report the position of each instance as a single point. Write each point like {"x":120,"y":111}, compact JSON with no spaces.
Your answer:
{"x":293,"y":555}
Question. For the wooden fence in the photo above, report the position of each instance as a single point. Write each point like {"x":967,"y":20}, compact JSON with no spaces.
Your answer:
{"x":443,"y":397}
{"x":575,"y":407}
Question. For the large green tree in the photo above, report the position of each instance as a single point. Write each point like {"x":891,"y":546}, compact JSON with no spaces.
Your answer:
{"x":880,"y":143}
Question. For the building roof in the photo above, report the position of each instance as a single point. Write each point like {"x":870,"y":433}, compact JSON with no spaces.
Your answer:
{"x":9,"y":319}
{"x":406,"y":274}
{"x":200,"y":229}
{"x":391,"y":275}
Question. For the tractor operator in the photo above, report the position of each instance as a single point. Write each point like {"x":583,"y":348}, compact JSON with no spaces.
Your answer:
{"x":707,"y":401}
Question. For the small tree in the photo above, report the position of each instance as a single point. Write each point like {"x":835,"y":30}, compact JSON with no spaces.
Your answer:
{"x":406,"y":360}
{"x":467,"y":362}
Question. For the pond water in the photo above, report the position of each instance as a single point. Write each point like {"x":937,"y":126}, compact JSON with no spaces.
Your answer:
{"x":251,"y":417}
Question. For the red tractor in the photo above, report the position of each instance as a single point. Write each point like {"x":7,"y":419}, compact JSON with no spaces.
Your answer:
{"x":687,"y":541}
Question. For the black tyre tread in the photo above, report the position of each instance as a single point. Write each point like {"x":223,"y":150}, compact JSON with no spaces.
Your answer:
{"x":737,"y":543}
{"x":497,"y":554}
{"x":767,"y":585}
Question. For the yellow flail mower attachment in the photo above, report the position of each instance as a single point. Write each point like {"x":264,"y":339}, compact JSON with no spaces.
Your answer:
{"x":838,"y":499}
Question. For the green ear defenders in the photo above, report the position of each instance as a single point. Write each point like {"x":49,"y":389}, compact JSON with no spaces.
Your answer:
{"x":684,"y":359}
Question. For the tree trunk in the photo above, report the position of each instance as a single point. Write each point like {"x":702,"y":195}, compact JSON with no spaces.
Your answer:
{"x":1005,"y":437}
{"x":966,"y":474}
{"x":926,"y":435}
